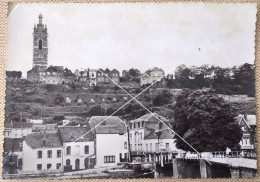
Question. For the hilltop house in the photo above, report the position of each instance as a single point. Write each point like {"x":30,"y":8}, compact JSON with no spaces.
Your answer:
{"x":111,"y":140}
{"x":151,"y":76}
{"x":79,"y":150}
{"x":248,"y":126}
{"x":42,"y":152}
{"x":17,"y":129}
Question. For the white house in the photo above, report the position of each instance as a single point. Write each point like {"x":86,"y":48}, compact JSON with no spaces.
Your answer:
{"x":79,"y":150}
{"x":111,"y":140}
{"x":248,"y":126}
{"x":17,"y":129}
{"x":146,"y":131}
{"x":42,"y":153}
{"x":92,"y":77}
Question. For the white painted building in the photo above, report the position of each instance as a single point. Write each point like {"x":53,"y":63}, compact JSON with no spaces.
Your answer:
{"x":78,"y":154}
{"x":42,"y":153}
{"x":144,"y":137}
{"x":111,"y":140}
{"x":17,"y":129}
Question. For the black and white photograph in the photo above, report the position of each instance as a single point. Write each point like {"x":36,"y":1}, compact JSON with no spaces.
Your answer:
{"x":130,"y":90}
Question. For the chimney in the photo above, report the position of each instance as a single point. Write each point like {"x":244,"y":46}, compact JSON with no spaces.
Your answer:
{"x":44,"y":140}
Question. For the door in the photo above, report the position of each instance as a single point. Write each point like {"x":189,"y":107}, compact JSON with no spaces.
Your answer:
{"x":77,"y":164}
{"x":86,"y":163}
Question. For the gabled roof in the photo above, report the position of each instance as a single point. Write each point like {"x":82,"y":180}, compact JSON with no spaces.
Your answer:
{"x":109,"y":125}
{"x":68,"y":73}
{"x":72,"y":133}
{"x":250,"y":120}
{"x":18,"y":125}
{"x":12,"y":144}
{"x":151,"y":124}
{"x":107,"y":70}
{"x":55,"y":69}
{"x":35,"y":140}
{"x":114,"y":71}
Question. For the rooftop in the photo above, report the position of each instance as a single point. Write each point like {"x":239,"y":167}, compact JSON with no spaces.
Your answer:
{"x":35,"y":140}
{"x":109,"y":125}
{"x":72,"y":133}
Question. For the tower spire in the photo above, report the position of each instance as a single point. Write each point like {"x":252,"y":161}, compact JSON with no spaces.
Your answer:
{"x":40,"y":18}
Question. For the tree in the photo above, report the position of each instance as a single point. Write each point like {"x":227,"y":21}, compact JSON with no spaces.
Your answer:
{"x":134,"y":72}
{"x":244,"y":77}
{"x":206,"y":122}
{"x":163,"y":98}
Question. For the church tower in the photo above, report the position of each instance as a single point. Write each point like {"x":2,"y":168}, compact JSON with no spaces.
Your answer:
{"x":40,"y":45}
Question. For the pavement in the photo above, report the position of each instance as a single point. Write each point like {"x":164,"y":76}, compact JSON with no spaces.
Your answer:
{"x":237,"y":162}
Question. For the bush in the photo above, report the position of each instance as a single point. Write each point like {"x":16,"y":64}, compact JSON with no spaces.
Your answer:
{"x":58,"y":118}
{"x":59,"y":100}
{"x":96,"y":89}
{"x":39,"y":100}
{"x":49,"y":87}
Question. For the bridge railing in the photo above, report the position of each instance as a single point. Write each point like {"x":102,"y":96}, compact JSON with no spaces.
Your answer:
{"x":218,"y":154}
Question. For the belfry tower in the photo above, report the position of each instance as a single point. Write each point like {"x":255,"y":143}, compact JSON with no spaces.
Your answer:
{"x":40,"y":45}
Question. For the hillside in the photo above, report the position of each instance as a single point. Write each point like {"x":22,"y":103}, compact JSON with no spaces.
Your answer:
{"x":25,"y":101}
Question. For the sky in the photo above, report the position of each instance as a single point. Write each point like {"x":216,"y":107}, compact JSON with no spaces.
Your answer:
{"x":134,"y":35}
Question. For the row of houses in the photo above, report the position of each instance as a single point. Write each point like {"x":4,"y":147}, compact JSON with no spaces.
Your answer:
{"x":59,"y":75}
{"x":100,"y":142}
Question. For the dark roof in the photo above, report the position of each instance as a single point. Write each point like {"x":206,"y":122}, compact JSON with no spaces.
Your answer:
{"x":107,"y":70}
{"x":35,"y":140}
{"x":68,"y":73}
{"x":12,"y":144}
{"x":55,"y":69}
{"x":115,"y":70}
{"x":109,"y":125}
{"x":151,"y":127}
{"x":18,"y":125}
{"x":72,"y":133}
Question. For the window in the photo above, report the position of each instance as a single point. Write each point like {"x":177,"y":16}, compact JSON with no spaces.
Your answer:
{"x":109,"y":159}
{"x":58,"y":153}
{"x":151,"y":146}
{"x":138,"y":124}
{"x":68,"y":150}
{"x":134,"y":125}
{"x":86,"y":149}
{"x":142,"y":123}
{"x":39,"y":154}
{"x":39,"y":167}
{"x":77,"y":150}
{"x":130,"y":136}
{"x":167,"y":146}
{"x":125,"y":145}
{"x":49,"y":154}
{"x":141,"y":136}
{"x":147,"y":147}
{"x":40,"y":45}
{"x":67,"y":162}
{"x":48,"y":166}
{"x":58,"y":166}
{"x":92,"y":160}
